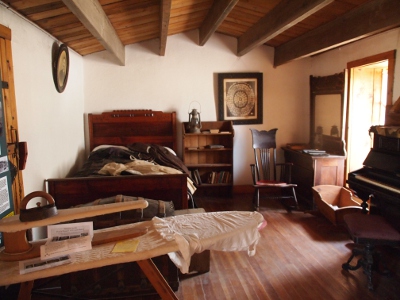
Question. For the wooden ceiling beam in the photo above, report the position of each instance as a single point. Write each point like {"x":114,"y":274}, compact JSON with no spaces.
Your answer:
{"x":165,"y":10}
{"x":284,"y":15}
{"x":93,"y":17}
{"x":214,"y":18}
{"x":371,"y":18}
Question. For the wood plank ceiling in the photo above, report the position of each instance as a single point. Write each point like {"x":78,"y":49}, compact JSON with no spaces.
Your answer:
{"x":294,"y":28}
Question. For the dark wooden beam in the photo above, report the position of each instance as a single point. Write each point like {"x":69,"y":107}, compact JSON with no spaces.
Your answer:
{"x":165,"y":11}
{"x":215,"y":17}
{"x":283,"y":16}
{"x":371,"y":18}
{"x":93,"y":17}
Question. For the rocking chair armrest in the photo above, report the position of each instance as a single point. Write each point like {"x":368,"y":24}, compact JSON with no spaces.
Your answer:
{"x":286,"y":167}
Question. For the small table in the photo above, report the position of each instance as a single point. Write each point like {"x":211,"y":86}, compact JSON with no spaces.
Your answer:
{"x":311,"y":170}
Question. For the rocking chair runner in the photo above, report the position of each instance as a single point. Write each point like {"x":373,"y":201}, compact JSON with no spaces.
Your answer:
{"x":268,"y":175}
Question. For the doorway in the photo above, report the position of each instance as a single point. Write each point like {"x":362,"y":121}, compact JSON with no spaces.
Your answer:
{"x":369,"y":91}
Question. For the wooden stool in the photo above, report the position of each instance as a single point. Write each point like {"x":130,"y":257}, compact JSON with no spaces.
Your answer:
{"x":369,"y":231}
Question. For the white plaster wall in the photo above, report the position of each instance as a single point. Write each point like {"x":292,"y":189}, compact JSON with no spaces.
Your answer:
{"x":50,"y":122}
{"x":53,"y":123}
{"x":335,"y":61}
{"x":188,"y":72}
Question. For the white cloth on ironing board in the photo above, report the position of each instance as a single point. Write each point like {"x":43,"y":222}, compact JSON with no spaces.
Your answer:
{"x":221,"y":231}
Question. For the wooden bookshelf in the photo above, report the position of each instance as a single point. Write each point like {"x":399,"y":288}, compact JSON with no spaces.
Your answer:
{"x":209,"y":157}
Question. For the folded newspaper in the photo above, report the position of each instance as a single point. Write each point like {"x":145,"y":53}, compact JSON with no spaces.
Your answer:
{"x":64,"y":239}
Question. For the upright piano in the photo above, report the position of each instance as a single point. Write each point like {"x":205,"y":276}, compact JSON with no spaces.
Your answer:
{"x":379,"y":179}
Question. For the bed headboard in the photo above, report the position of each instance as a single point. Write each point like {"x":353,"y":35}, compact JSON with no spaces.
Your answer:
{"x":123,"y":127}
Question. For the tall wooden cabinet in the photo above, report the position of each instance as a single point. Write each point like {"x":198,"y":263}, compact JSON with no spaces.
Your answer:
{"x":209,"y":157}
{"x":310,"y":170}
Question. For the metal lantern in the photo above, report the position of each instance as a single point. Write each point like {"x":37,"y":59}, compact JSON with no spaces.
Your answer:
{"x":194,"y":124}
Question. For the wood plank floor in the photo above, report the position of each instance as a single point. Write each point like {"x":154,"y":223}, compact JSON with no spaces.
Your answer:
{"x":299,"y":256}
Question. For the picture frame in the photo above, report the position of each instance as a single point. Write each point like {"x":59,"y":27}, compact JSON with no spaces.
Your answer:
{"x":240,"y":98}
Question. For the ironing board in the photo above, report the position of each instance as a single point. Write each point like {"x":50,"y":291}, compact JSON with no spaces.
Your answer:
{"x":178,"y":236}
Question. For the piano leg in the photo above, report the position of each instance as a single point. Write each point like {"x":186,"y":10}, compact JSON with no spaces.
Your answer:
{"x":366,"y":261}
{"x":370,"y":232}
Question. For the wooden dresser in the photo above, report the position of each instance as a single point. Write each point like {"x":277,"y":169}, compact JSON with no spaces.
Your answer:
{"x":309,"y":171}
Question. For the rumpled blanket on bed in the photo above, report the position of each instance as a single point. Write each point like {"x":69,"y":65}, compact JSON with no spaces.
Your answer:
{"x":138,"y":167}
{"x":222,"y":231}
{"x":155,"y":154}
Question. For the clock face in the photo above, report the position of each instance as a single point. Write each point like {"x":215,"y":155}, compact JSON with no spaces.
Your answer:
{"x":61,"y":67}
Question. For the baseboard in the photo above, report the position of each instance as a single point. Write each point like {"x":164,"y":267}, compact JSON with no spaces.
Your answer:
{"x":243,"y":189}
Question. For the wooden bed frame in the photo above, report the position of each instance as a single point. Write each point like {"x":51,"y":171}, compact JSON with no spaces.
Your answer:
{"x":123,"y":127}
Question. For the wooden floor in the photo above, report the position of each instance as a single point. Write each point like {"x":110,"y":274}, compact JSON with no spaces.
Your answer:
{"x":299,"y":256}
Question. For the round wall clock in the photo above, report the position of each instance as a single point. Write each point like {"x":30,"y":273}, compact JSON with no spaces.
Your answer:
{"x":60,"y":68}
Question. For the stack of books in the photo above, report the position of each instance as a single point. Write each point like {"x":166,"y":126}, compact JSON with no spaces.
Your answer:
{"x":219,"y":177}
{"x":213,"y":177}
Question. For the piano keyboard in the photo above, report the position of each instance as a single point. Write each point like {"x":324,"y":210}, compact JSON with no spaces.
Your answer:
{"x":377,"y":183}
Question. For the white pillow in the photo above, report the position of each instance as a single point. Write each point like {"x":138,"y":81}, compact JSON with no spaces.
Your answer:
{"x":109,"y":146}
{"x":170,"y":150}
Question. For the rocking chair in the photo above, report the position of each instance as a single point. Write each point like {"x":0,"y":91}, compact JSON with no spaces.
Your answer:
{"x":268,"y":175}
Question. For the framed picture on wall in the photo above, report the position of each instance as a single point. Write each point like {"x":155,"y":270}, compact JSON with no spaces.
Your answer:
{"x":240,"y":97}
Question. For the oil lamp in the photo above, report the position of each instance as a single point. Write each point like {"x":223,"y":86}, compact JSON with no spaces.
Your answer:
{"x":194,"y":124}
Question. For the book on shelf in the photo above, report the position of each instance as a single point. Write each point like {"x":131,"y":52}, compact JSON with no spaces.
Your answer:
{"x":219,"y":177}
{"x":315,"y":152}
{"x":196,"y":176}
{"x":211,"y":177}
{"x":193,"y":176}
{"x":213,"y":146}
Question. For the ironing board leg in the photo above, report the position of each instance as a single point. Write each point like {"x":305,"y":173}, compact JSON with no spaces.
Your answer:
{"x":25,"y":290}
{"x":157,"y":280}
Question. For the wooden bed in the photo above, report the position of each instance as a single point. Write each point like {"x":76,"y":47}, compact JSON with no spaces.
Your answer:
{"x":121,"y":128}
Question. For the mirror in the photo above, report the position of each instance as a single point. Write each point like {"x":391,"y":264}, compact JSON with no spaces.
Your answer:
{"x":327,"y":100}
{"x":328,"y":114}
